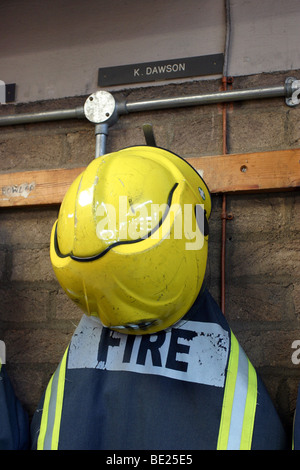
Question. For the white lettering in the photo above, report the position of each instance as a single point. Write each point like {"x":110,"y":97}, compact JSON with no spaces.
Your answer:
{"x":136,"y":72}
{"x":2,"y":353}
{"x":135,"y":221}
{"x":296,"y":354}
{"x":106,"y":227}
{"x":118,"y":460}
{"x":2,"y":92}
{"x":160,"y":69}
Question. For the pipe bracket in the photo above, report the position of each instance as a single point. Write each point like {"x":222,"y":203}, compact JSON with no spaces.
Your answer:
{"x":292,"y":87}
{"x":100,"y":108}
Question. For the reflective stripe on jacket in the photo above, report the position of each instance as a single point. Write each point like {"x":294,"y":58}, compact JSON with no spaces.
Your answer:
{"x":190,"y":387}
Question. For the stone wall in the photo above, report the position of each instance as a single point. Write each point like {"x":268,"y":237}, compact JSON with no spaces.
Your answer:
{"x":262,"y":241}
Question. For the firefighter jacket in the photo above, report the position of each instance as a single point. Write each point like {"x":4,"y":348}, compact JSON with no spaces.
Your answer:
{"x":296,"y":424}
{"x":185,"y":388}
{"x":14,"y":423}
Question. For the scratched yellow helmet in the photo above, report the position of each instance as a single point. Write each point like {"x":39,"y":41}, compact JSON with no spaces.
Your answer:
{"x":130,"y":242}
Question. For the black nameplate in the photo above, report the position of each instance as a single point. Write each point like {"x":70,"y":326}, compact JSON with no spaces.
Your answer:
{"x":10,"y":92}
{"x":161,"y":70}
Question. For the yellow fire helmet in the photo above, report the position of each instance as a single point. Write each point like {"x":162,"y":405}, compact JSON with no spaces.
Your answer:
{"x":130,"y":241}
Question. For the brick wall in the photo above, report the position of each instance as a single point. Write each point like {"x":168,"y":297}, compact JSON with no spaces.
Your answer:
{"x":262,"y":241}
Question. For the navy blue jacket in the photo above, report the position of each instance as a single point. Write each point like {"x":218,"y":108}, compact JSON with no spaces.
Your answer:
{"x":169,"y":391}
{"x":14,"y":424}
{"x":296,"y":430}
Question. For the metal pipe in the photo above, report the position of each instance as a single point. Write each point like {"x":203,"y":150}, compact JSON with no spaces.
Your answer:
{"x":225,"y":150}
{"x":224,"y":211}
{"x":217,"y":97}
{"x":42,"y":116}
{"x":148,"y":105}
{"x":101,"y":132}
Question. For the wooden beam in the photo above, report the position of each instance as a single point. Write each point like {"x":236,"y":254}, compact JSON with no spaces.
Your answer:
{"x":29,"y":188}
{"x":253,"y":172}
{"x":233,"y":173}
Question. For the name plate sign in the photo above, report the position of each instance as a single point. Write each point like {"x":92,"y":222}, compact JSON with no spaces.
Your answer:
{"x":161,"y":70}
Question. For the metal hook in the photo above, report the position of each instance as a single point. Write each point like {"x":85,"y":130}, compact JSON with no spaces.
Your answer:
{"x":149,"y":135}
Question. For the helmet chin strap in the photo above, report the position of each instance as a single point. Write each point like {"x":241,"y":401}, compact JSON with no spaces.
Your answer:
{"x":141,"y":325}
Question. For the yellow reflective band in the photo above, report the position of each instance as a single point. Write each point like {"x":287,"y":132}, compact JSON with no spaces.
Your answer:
{"x":228,"y":395}
{"x":239,"y":402}
{"x":59,"y":401}
{"x":250,"y":409}
{"x":52,"y":409}
{"x":293,"y":432}
{"x":44,"y":420}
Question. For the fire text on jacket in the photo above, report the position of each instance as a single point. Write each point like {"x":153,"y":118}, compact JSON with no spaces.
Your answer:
{"x":192,"y":351}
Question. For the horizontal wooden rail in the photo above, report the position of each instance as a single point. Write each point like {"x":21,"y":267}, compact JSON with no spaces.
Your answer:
{"x":253,"y":172}
{"x":233,"y":173}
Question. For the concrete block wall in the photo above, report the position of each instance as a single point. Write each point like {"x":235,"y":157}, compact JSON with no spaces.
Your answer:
{"x":262,"y":241}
